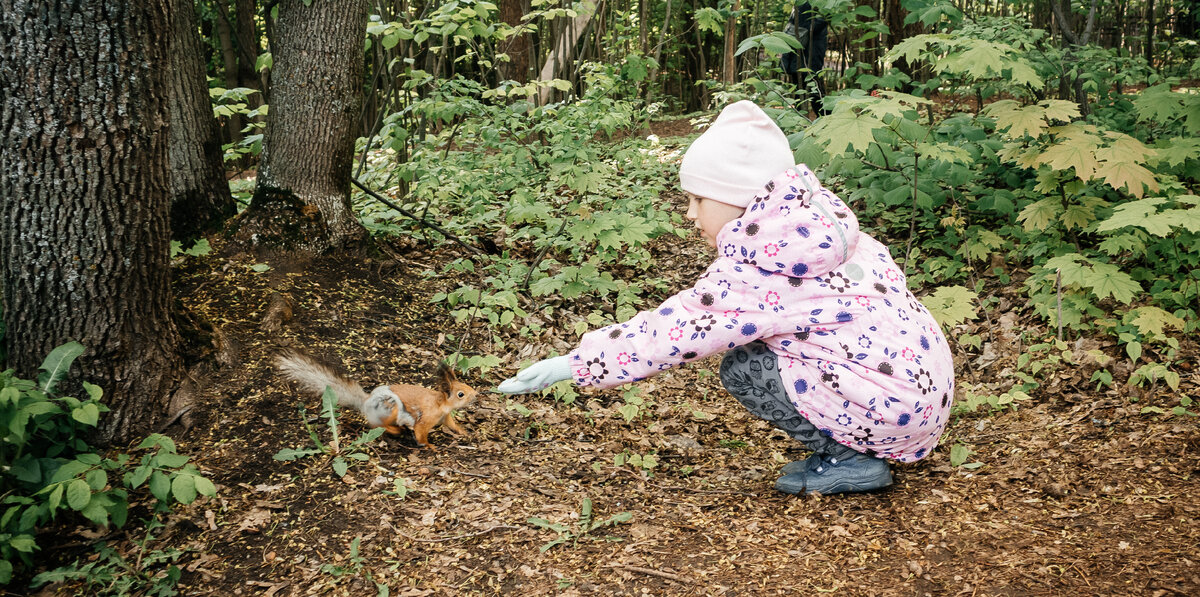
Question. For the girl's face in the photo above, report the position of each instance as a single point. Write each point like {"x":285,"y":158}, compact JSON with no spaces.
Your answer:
{"x":710,"y":216}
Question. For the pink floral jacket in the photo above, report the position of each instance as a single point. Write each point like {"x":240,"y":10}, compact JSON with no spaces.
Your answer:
{"x":861,"y":358}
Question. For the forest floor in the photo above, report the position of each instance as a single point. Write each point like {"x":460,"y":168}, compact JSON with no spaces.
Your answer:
{"x":1072,"y":492}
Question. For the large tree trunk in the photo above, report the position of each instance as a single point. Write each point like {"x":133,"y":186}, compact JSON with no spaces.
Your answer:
{"x":302,"y":199}
{"x":516,"y":47}
{"x":84,"y":201}
{"x":200,"y":198}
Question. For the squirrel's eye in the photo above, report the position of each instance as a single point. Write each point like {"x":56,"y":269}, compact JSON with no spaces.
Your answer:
{"x":461,"y":394}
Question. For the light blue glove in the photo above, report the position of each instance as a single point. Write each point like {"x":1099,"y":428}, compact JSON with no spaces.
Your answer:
{"x":537,"y":376}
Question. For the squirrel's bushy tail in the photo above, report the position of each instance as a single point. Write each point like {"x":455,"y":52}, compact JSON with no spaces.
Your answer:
{"x":313,"y":376}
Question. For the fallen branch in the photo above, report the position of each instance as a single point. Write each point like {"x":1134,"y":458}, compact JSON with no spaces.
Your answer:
{"x":650,"y":572}
{"x":415,"y":217}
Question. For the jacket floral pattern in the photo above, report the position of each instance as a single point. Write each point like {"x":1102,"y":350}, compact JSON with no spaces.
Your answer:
{"x":859,"y":355}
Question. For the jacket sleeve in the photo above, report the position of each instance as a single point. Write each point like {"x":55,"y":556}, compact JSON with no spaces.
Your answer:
{"x":723,"y":310}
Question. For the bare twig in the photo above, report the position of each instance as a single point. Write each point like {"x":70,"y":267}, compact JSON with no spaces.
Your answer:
{"x":466,"y":536}
{"x":419,"y":220}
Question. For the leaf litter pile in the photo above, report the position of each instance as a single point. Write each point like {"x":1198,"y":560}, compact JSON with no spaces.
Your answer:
{"x":1073,"y":491}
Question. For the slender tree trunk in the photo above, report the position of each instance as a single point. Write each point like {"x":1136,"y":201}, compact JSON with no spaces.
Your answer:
{"x":84,"y":201}
{"x":566,"y":43}
{"x":729,"y":72}
{"x":1150,"y":22}
{"x":662,"y":36}
{"x":233,"y":123}
{"x":302,"y":199}
{"x":200,"y":199}
{"x":643,"y":27}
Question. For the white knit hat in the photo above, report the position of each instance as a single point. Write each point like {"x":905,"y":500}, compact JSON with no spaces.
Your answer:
{"x":736,"y":157}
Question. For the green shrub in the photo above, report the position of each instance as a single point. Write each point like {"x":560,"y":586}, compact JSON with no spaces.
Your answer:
{"x":47,"y":467}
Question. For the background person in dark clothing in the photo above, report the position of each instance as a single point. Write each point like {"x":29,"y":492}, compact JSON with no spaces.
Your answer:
{"x":802,"y":68}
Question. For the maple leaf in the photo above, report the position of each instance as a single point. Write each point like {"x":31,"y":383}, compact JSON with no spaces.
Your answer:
{"x":1024,"y":74}
{"x":1191,"y":115}
{"x":1126,"y":148}
{"x":1108,"y":280}
{"x":1073,"y":273}
{"x":1063,"y":110}
{"x":1136,"y":213}
{"x":1189,"y":219}
{"x":1019,"y":121}
{"x":1151,"y":320}
{"x":982,"y":59}
{"x":845,"y":130}
{"x":1122,"y":242}
{"x":1134,"y":177}
{"x":1078,"y":216}
{"x":1158,"y":103}
{"x":944,"y":152}
{"x":1075,"y":152}
{"x":1179,"y":150}
{"x":951,"y":305}
{"x":1038,"y":215}
{"x":910,"y":49}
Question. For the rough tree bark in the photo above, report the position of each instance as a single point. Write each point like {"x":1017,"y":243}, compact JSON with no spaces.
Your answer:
{"x":517,"y":47}
{"x":301,"y":203}
{"x":84,"y":201}
{"x":200,"y":198}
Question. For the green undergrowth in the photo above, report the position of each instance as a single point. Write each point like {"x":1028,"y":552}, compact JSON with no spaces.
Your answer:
{"x":1096,"y":216}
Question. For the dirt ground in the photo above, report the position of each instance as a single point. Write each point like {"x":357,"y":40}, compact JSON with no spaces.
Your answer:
{"x":1072,"y":492}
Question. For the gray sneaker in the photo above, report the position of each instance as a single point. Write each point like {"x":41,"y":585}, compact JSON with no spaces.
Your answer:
{"x":827,"y":475}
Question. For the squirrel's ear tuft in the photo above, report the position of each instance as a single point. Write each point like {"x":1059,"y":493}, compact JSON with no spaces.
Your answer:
{"x":446,"y":377}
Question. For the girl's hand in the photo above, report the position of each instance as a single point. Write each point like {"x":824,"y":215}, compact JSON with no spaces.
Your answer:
{"x":537,"y":376}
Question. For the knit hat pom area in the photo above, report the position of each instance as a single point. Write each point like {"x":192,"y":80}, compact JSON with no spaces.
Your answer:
{"x":736,"y":157}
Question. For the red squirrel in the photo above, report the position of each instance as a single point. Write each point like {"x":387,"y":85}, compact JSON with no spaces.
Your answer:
{"x":391,"y":406}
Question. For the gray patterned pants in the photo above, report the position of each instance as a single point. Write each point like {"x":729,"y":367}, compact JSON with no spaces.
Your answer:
{"x":750,"y":373}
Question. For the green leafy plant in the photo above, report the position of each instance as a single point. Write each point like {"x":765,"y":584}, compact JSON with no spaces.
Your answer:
{"x":353,"y":566}
{"x":48,"y":469}
{"x":645,"y":463}
{"x":341,"y":457}
{"x":586,"y":525}
{"x":109,"y":572}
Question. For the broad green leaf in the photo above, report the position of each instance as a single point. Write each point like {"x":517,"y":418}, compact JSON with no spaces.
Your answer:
{"x":1108,"y":280}
{"x":23,"y":543}
{"x":952,"y":305}
{"x":78,"y":494}
{"x":204,"y":486}
{"x":160,"y":486}
{"x":88,"y":414}
{"x":57,"y":364}
{"x":959,"y":454}
{"x":1018,"y":121}
{"x":183,"y":488}
{"x":340,"y":466}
